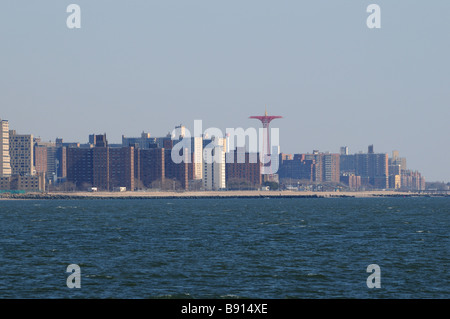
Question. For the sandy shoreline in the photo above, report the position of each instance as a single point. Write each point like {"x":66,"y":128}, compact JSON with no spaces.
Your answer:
{"x":204,"y":194}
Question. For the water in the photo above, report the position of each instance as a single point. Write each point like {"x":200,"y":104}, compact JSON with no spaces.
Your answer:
{"x":225,"y":248}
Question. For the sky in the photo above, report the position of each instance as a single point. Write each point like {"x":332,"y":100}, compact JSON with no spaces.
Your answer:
{"x":143,"y":65}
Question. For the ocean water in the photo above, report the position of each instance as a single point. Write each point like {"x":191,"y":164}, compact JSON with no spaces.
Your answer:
{"x":226,"y":248}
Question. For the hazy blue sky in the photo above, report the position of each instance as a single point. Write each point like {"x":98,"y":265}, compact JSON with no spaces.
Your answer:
{"x":142,"y":65}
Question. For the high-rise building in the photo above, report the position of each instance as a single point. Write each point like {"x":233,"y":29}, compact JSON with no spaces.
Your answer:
{"x":344,"y":150}
{"x":149,"y":167}
{"x":243,"y":169}
{"x":296,"y":167}
{"x":214,"y":168}
{"x":40,"y":159}
{"x":21,"y":150}
{"x":80,"y":167}
{"x":397,"y":160}
{"x":145,"y":141}
{"x":285,"y":157}
{"x":197,"y":157}
{"x":347,"y":164}
{"x":179,"y":132}
{"x":60,"y":160}
{"x":395,"y":181}
{"x":412,"y":180}
{"x":317,"y":166}
{"x":395,"y":172}
{"x":195,"y":147}
{"x":47,"y":159}
{"x":52,"y":164}
{"x":121,"y":168}
{"x":99,"y":140}
{"x":326,"y":167}
{"x":153,"y":160}
{"x":101,"y":166}
{"x":5,"y":159}
{"x":353,"y":181}
{"x":372,"y":167}
{"x":397,"y":165}
{"x":177,"y":171}
{"x":331,"y":171}
{"x":214,"y":163}
{"x":379,"y":170}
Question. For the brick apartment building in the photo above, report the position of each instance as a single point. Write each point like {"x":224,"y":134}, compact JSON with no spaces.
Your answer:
{"x":243,"y":166}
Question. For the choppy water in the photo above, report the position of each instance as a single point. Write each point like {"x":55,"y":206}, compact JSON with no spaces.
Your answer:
{"x":225,"y":248}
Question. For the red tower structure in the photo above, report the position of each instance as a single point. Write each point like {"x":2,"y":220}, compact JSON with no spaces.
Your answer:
{"x":265,"y":120}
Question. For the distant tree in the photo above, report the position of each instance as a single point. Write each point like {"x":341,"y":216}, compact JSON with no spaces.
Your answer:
{"x":138,"y":184}
{"x":440,"y":186}
{"x":273,"y":186}
{"x":331,"y":186}
{"x":173,"y":185}
{"x":157,"y":184}
{"x":167,"y":184}
{"x":65,"y":187}
{"x":240,"y":184}
{"x":195,"y":185}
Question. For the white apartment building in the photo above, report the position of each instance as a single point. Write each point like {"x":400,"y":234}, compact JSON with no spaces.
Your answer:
{"x":5,"y":159}
{"x":214,"y":165}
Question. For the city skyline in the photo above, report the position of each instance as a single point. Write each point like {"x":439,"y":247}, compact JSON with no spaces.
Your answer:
{"x":143,"y":67}
{"x":31,"y":156}
{"x":343,"y":150}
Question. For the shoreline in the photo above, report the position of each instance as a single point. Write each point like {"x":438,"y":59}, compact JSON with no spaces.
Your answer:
{"x":210,"y":195}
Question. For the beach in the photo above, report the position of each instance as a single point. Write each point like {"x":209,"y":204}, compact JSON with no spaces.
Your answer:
{"x":208,"y":194}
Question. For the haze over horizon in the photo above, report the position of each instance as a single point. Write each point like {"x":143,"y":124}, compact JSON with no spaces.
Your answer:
{"x":150,"y":65}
